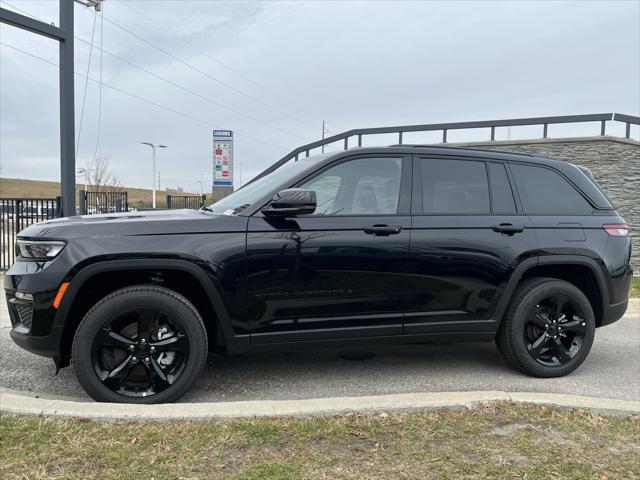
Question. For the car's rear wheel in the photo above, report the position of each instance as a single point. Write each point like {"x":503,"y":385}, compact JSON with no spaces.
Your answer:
{"x":141,"y":344}
{"x":548,"y":329}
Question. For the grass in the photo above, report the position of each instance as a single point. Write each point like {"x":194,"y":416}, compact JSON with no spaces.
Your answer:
{"x":498,"y":440}
{"x":635,"y":288}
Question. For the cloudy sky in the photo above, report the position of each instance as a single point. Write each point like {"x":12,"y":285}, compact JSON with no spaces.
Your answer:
{"x":272,"y":71}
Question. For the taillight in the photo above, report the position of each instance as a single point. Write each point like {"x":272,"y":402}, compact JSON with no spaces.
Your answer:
{"x":617,"y":230}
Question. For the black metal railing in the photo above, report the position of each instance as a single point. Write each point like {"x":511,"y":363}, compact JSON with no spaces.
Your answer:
{"x":193,"y":202}
{"x":92,"y":203}
{"x":16,"y":214}
{"x":491,"y":125}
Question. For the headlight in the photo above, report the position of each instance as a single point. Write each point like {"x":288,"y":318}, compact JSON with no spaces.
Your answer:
{"x":38,"y":249}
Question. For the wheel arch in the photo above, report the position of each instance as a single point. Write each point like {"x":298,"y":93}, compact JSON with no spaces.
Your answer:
{"x":593,"y":283}
{"x":218,"y":328}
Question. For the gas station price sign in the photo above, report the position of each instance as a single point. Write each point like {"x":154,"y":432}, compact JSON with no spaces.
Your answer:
{"x":222,"y":158}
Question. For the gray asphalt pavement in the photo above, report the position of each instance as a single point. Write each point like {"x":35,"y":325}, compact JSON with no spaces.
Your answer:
{"x":612,"y":370}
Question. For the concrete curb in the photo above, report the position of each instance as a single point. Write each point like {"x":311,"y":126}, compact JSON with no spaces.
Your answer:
{"x":20,"y":403}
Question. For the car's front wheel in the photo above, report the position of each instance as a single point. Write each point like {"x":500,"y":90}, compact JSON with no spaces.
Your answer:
{"x":140,"y":344}
{"x":548,"y":329}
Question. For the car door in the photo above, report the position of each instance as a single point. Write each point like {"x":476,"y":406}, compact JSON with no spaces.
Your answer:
{"x":468,"y":236}
{"x":340,"y":272}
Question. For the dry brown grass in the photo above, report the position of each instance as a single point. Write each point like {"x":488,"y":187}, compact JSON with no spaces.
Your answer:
{"x":498,"y":440}
{"x":19,"y":188}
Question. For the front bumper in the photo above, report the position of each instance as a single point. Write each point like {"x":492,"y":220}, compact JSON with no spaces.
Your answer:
{"x":46,"y":346}
{"x":34,"y":325}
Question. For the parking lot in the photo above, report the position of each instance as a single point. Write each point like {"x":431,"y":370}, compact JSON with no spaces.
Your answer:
{"x":610,"y":371}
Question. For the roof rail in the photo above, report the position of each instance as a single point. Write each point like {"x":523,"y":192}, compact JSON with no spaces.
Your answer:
{"x":603,"y":118}
{"x":419,"y":145}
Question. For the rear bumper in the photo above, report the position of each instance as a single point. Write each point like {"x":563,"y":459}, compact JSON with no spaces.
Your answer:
{"x":613,"y":313}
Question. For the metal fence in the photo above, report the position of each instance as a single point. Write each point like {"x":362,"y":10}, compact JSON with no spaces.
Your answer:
{"x":92,"y":203}
{"x":185,"y":201}
{"x":16,"y":214}
{"x":444,"y":128}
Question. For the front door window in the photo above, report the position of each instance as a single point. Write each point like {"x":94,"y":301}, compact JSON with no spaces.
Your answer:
{"x":365,"y":186}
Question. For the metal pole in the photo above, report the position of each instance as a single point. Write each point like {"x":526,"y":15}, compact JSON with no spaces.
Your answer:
{"x":67,"y":113}
{"x":83,"y":202}
{"x":322,"y":135}
{"x":154,"y":176}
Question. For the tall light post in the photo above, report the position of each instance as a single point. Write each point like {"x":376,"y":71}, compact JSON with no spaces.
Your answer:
{"x":85,"y":172}
{"x":201,"y":182}
{"x":153,"y":147}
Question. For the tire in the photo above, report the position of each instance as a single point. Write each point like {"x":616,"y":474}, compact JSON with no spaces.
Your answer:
{"x":112,"y":335}
{"x":530,"y":341}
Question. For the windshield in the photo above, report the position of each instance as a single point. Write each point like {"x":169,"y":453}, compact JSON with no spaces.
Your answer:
{"x":253,"y":192}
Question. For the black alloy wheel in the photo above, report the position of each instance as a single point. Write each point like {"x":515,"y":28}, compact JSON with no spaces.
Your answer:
{"x":140,"y":352}
{"x":140,"y":344}
{"x":554,"y":330}
{"x":548,"y":329}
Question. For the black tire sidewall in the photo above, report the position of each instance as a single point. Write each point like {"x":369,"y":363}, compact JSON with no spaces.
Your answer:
{"x":537,"y":294}
{"x":181,"y":311}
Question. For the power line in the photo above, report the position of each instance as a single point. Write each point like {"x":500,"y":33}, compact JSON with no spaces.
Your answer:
{"x":196,"y":94}
{"x":95,"y":152}
{"x":202,"y":72}
{"x":200,"y":50}
{"x":133,"y":95}
{"x":86,"y":83}
{"x":170,"y":82}
{"x":21,"y":11}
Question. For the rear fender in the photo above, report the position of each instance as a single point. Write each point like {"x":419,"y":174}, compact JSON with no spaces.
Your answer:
{"x":530,"y":263}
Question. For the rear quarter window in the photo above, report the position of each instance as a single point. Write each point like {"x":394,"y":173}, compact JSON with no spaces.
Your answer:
{"x":546,"y":192}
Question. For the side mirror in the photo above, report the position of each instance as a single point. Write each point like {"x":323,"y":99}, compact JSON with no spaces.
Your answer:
{"x":291,"y":202}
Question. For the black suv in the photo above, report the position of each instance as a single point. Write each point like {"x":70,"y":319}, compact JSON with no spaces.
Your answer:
{"x":398,"y":244}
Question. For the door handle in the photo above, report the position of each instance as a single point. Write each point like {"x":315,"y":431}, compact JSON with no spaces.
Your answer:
{"x":382,"y":230}
{"x":508,"y":228}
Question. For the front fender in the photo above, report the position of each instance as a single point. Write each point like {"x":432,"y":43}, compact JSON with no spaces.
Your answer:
{"x":198,"y":271}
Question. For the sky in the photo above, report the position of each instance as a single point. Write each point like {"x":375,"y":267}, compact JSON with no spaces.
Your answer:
{"x":273,"y":71}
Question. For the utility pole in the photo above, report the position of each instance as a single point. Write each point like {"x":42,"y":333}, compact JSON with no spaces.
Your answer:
{"x":91,"y":4}
{"x":324,"y":131}
{"x":153,"y":177}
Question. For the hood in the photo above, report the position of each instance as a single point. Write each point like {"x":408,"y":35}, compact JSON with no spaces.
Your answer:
{"x":158,"y":222}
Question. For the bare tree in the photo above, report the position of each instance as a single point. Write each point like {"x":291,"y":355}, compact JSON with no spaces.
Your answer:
{"x":101,"y":178}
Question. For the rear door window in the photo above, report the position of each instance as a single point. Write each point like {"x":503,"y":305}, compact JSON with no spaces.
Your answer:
{"x":454,"y":187}
{"x":545,"y":192}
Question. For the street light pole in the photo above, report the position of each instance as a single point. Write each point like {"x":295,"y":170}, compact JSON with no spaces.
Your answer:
{"x":201,"y":182}
{"x":153,"y":147}
{"x":85,"y":172}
